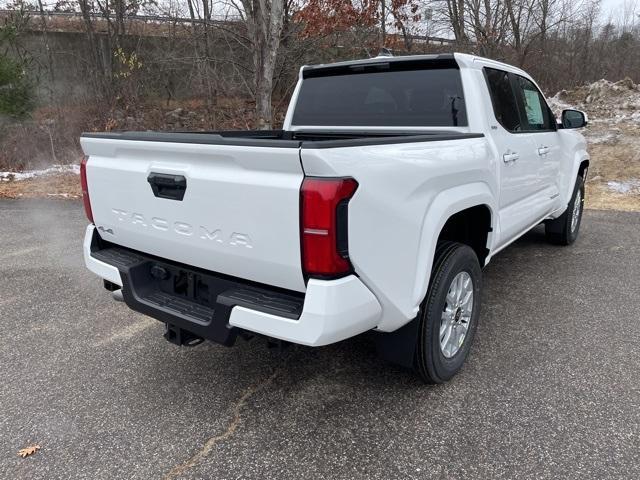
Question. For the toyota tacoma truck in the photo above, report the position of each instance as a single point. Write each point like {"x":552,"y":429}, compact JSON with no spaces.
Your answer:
{"x":392,"y":183}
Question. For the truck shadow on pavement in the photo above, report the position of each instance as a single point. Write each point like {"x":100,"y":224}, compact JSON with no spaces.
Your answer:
{"x":355,"y":361}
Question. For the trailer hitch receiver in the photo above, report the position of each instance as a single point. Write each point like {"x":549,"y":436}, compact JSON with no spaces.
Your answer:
{"x":181,"y":337}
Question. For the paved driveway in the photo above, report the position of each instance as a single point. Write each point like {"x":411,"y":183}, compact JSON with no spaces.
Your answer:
{"x":551,"y":390}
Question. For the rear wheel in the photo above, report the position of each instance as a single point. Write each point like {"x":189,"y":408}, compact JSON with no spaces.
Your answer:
{"x":564,"y":229}
{"x":449,"y":314}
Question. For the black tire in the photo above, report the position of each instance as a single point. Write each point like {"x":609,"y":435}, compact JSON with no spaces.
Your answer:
{"x":430,"y":362}
{"x":559,"y":231}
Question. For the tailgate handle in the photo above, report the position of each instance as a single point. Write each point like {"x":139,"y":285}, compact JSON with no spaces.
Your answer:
{"x":171,"y":187}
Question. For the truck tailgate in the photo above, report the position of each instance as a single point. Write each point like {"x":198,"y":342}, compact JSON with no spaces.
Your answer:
{"x":239,"y":214}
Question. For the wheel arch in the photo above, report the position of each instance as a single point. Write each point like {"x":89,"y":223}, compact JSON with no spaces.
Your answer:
{"x":471,"y":227}
{"x":583,"y":168}
{"x":448,"y":208}
{"x":452,"y":207}
{"x":580,"y":168}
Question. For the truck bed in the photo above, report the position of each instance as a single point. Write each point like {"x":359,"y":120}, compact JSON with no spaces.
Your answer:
{"x":227,"y":202}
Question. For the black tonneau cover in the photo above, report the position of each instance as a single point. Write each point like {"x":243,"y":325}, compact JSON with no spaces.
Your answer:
{"x":285,"y":139}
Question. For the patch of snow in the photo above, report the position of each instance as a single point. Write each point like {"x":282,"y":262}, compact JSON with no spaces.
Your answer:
{"x":63,"y":195}
{"x":26,"y":175}
{"x":557,"y":105}
{"x":612,"y":102}
{"x":626,"y":186}
{"x":598,"y":137}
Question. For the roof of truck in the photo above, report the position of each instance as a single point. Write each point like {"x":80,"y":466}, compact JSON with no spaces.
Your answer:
{"x":463,"y":59}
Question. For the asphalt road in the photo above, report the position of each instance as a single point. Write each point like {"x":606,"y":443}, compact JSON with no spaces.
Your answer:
{"x":551,"y":389}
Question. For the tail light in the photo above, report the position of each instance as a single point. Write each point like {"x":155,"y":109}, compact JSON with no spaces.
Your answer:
{"x":85,"y":189}
{"x":325,"y":249}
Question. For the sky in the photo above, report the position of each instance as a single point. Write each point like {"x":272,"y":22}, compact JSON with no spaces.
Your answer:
{"x":614,"y":8}
{"x":610,"y":4}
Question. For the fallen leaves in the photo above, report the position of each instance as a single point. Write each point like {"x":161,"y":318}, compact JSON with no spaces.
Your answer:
{"x":25,"y":452}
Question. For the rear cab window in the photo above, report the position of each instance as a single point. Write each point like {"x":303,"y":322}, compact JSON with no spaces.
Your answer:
{"x":383,"y":94}
{"x":503,"y":99}
{"x":517,"y":103}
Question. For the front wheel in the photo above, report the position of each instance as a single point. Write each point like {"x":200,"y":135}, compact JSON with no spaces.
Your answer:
{"x":449,"y":314}
{"x":564,"y":229}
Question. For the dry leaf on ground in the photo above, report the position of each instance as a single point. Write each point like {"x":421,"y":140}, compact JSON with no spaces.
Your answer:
{"x":25,"y":452}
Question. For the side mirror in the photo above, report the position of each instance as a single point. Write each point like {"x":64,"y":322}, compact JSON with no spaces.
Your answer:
{"x":574,"y":119}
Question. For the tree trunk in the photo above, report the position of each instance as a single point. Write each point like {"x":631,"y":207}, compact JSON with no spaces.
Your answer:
{"x":455,"y":12}
{"x":99,"y":64}
{"x":383,"y":22}
{"x":45,"y":37}
{"x":264,"y":19}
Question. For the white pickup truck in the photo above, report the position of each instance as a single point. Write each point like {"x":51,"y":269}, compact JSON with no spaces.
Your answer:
{"x":393,"y":182}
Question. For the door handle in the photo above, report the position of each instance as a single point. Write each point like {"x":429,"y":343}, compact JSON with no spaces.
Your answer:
{"x":510,"y":157}
{"x":543,"y":150}
{"x":171,"y":187}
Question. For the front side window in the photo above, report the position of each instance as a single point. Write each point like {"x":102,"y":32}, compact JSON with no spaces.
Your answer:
{"x":537,"y":115}
{"x":505,"y":107}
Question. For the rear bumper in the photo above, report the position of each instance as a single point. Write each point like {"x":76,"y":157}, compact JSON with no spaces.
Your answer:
{"x":330,"y":310}
{"x":100,"y":268}
{"x":333,"y":310}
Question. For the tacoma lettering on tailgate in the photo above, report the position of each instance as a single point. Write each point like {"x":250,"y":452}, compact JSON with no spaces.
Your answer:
{"x":182,"y":228}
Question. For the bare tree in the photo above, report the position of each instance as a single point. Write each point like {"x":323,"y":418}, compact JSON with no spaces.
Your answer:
{"x":455,"y":12}
{"x":99,"y":67}
{"x":264,"y":21}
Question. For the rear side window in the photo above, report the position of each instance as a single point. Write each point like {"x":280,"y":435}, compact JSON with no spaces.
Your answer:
{"x":537,"y":115}
{"x":503,"y":99}
{"x":385,"y":97}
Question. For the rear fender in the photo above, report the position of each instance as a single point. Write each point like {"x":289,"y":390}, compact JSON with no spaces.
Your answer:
{"x":447,"y":203}
{"x":397,"y":345}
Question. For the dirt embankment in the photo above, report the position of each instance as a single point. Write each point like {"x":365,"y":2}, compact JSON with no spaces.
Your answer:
{"x":613,"y":134}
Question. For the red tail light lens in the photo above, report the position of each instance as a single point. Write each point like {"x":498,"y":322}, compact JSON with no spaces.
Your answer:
{"x":324,"y":225}
{"x":85,"y":189}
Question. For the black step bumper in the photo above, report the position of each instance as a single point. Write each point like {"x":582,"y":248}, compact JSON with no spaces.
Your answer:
{"x":191,"y":299}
